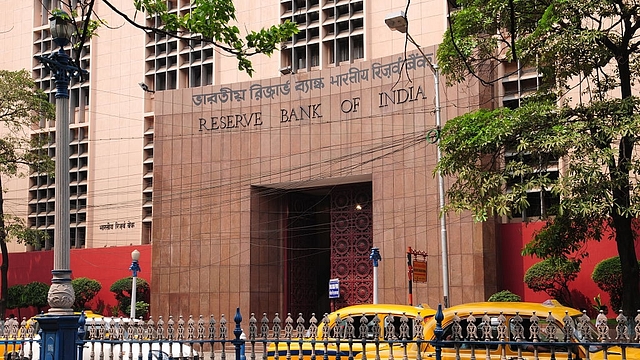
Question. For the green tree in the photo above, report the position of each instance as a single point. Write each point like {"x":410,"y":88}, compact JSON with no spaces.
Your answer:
{"x":17,"y":298}
{"x":593,"y":44}
{"x":36,"y":293}
{"x":212,"y":22}
{"x":85,"y":290}
{"x":22,"y":105}
{"x":607,"y":274}
{"x":122,"y":290}
{"x":553,"y":276}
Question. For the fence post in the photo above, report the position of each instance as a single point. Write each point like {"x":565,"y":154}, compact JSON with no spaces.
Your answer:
{"x":239,"y":341}
{"x":81,"y":331}
{"x":439,"y":332}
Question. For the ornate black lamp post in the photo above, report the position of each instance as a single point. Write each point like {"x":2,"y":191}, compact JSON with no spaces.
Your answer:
{"x":60,"y":325}
{"x":61,"y":294}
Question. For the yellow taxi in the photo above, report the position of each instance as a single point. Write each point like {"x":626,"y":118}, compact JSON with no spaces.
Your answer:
{"x":530,"y":323}
{"x":350,"y":330}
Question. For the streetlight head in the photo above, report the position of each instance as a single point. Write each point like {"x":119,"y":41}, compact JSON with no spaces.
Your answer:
{"x":135,"y":255}
{"x":61,"y":27}
{"x":397,"y":21}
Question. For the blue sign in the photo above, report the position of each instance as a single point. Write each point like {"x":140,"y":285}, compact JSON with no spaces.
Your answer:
{"x":334,"y":288}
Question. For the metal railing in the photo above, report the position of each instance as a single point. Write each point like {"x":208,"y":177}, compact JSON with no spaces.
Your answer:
{"x":352,"y":336}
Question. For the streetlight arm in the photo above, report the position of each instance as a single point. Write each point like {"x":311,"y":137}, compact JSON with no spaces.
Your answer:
{"x":432,"y":66}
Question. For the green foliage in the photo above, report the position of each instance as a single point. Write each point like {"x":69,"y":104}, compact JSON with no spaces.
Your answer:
{"x":17,"y":298}
{"x":85,"y":290}
{"x":142,"y":309}
{"x":36,"y":294}
{"x":122,"y":290}
{"x":504,"y":296}
{"x":22,"y":106}
{"x":553,"y":276}
{"x":591,"y":43}
{"x":607,"y":274}
{"x":213,"y":21}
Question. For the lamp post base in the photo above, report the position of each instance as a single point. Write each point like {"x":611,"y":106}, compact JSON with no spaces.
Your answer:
{"x":61,"y":295}
{"x":59,"y":335}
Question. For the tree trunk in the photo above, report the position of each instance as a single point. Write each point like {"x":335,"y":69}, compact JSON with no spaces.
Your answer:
{"x":4,"y":267}
{"x":625,"y":238}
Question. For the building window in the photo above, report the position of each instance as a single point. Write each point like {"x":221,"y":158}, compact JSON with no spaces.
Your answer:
{"x":331,"y":33}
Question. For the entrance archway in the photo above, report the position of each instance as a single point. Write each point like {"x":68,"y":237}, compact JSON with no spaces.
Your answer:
{"x":328,"y":235}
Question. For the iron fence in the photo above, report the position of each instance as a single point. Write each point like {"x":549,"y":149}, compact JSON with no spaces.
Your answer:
{"x":351,"y":336}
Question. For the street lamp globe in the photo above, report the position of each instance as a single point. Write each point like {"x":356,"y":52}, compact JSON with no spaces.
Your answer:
{"x":135,"y":255}
{"x":61,"y":28}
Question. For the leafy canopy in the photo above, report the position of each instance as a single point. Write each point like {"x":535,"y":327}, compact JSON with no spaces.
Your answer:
{"x":211,"y":22}
{"x":585,"y":49}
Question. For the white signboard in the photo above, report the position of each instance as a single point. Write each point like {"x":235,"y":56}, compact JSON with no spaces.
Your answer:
{"x":334,"y":288}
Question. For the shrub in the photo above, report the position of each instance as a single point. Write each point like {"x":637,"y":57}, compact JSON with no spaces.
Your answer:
{"x":142,"y":308}
{"x":553,"y":276}
{"x":85,"y":289}
{"x":122,"y":290}
{"x":504,"y":296}
{"x":16,"y":298}
{"x":36,"y":294}
{"x":607,"y":274}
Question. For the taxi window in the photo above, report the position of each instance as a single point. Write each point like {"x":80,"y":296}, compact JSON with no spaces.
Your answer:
{"x":542,"y":336}
{"x":464,"y":343}
{"x":341,"y":328}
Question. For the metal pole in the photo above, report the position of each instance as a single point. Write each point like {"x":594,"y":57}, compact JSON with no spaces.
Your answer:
{"x":133,"y":298}
{"x":410,"y":275}
{"x":61,"y":295}
{"x":59,"y":327}
{"x":135,"y":267}
{"x":443,"y":219}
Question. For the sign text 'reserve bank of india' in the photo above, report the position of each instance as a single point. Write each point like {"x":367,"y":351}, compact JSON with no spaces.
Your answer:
{"x":310,"y":111}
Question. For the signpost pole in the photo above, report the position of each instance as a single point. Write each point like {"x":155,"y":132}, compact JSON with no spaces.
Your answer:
{"x":417,"y":269}
{"x":410,"y":274}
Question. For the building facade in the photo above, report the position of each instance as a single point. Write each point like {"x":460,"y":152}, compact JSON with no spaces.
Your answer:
{"x":255,"y":192}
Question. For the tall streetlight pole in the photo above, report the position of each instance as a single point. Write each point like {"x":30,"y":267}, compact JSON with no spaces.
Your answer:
{"x":135,"y":267}
{"x":398,"y":22}
{"x":61,"y":295}
{"x":60,"y":326}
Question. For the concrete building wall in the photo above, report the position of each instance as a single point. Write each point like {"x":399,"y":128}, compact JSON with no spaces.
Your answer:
{"x":368,"y":122}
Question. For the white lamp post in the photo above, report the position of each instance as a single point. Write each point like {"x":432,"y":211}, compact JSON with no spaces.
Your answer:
{"x":398,"y":22}
{"x":135,"y":267}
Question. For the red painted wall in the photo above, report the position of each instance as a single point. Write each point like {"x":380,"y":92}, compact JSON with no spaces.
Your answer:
{"x":514,"y":265}
{"x":105,"y":265}
{"x":112,"y":263}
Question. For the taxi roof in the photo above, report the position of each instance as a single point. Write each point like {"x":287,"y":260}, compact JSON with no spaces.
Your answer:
{"x":386,"y":309}
{"x":511,"y":308}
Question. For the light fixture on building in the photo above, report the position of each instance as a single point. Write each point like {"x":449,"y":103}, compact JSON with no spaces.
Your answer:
{"x":397,"y":21}
{"x":358,"y":207}
{"x":286,"y":70}
{"x":146,"y":88}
